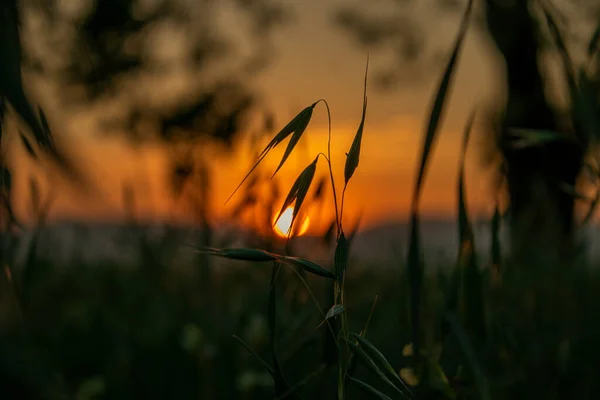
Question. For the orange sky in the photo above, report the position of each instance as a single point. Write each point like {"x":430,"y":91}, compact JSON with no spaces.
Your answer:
{"x":313,"y":61}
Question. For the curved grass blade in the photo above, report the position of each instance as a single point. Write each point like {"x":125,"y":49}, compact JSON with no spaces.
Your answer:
{"x":298,"y":192}
{"x":379,"y":359}
{"x":369,"y":389}
{"x":414,"y":264}
{"x":469,"y":354}
{"x":353,"y":155}
{"x":299,"y":129}
{"x":28,"y":146}
{"x":258,"y":358}
{"x":368,"y":362}
{"x":280,"y":137}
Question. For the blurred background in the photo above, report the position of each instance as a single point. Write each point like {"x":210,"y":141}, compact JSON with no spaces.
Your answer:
{"x":127,"y":124}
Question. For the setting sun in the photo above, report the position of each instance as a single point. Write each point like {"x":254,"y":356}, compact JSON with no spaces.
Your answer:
{"x":282,"y":226}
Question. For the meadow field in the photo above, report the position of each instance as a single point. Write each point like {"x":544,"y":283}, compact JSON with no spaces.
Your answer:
{"x":438,"y":311}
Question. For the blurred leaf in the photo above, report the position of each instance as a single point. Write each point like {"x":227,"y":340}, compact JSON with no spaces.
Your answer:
{"x":368,"y":362}
{"x":353,"y":155}
{"x":6,"y":180}
{"x":255,"y":355}
{"x":369,"y":389}
{"x":379,"y":360}
{"x":594,"y":42}
{"x":334,"y":311}
{"x":35,"y":195}
{"x":495,"y":245}
{"x":470,"y":356}
{"x":414,"y":264}
{"x":524,"y":138}
{"x":572,"y":191}
{"x":27,"y":146}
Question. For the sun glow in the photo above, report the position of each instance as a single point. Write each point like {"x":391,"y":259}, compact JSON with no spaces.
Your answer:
{"x":282,"y":225}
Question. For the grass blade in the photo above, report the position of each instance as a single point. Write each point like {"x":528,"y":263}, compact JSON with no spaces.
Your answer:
{"x":369,"y":389}
{"x":379,"y":359}
{"x":414,"y":264}
{"x":469,"y":354}
{"x":298,"y":192}
{"x":307,"y":266}
{"x":280,"y":137}
{"x":300,"y":127}
{"x":353,"y":155}
{"x":253,"y":353}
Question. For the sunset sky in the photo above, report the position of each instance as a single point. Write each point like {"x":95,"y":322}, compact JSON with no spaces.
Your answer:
{"x":314,"y":60}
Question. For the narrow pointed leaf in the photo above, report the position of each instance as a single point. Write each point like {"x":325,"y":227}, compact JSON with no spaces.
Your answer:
{"x":265,"y":365}
{"x":243,"y":254}
{"x":27,"y":145}
{"x":281,"y":136}
{"x":307,"y":265}
{"x":353,"y":156}
{"x":298,"y":131}
{"x":414,"y":264}
{"x":379,"y":359}
{"x":369,"y":389}
{"x":368,"y":362}
{"x":298,"y":192}
{"x":257,"y":255}
{"x":470,"y":356}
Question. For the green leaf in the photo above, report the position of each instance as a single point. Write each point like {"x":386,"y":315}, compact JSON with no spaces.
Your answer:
{"x":414,"y":263}
{"x":369,"y":389}
{"x":354,"y":154}
{"x":334,"y":311}
{"x":379,"y":359}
